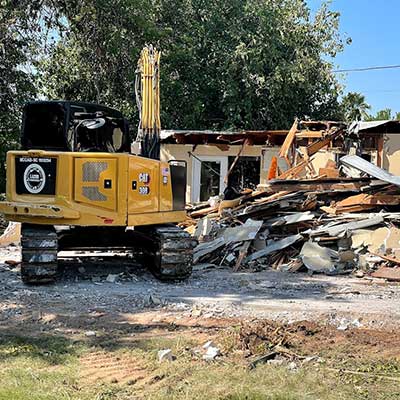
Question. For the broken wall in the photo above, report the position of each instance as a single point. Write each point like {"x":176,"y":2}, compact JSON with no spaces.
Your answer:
{"x":391,"y":153}
{"x":321,"y":159}
{"x":267,"y":154}
{"x":182,"y":152}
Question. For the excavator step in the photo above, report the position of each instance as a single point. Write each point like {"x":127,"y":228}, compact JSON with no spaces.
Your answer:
{"x":39,"y":254}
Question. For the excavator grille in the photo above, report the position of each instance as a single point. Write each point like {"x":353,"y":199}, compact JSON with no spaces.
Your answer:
{"x":93,"y":193}
{"x":91,"y":170}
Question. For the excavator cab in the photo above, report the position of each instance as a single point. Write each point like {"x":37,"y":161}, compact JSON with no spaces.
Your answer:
{"x":74,"y":126}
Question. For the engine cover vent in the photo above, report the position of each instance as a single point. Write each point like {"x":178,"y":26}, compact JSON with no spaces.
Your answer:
{"x":92,"y":193}
{"x":91,"y":170}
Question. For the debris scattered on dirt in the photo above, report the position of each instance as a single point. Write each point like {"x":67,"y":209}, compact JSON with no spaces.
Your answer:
{"x":346,"y":324}
{"x":165,"y":355}
{"x":212,"y":351}
{"x":391,"y":274}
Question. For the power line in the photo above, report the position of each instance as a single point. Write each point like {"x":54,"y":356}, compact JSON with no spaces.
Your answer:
{"x":367,"y":68}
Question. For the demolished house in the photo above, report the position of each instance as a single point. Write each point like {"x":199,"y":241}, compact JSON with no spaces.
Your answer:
{"x":217,"y":160}
{"x":242,"y":159}
{"x":324,"y":204}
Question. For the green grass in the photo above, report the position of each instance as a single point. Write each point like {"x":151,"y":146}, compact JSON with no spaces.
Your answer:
{"x":47,"y":368}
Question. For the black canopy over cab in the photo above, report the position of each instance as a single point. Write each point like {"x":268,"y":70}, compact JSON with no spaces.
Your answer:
{"x":74,"y":126}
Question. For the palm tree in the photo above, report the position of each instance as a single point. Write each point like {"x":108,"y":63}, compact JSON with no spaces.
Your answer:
{"x":355,"y":107}
{"x":384,"y":115}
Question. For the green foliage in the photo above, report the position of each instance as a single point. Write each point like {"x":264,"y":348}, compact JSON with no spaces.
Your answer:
{"x":252,"y":64}
{"x":16,"y":83}
{"x":383,"y":115}
{"x":355,"y":107}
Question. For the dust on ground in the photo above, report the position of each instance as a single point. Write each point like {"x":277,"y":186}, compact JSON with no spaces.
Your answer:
{"x":342,"y":319}
{"x":82,"y":289}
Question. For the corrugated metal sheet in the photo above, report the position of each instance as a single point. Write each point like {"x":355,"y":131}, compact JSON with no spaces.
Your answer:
{"x":356,"y":127}
{"x":371,"y":169}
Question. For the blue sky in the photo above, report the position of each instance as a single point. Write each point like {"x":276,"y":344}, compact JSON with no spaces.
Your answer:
{"x":373,"y":28}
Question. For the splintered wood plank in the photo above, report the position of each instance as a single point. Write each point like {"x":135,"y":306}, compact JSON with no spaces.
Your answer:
{"x":320,"y":144}
{"x":203,"y":212}
{"x":391,"y":274}
{"x":370,"y":199}
{"x":242,"y":254}
{"x":387,"y":258}
{"x":287,"y":144}
{"x":329,"y":172}
{"x":294,"y":171}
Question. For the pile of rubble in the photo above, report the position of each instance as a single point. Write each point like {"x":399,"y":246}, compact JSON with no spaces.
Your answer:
{"x":342,"y":220}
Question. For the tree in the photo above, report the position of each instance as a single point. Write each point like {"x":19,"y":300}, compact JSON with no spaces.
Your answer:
{"x":225,"y":64}
{"x":382,"y":115}
{"x":355,"y":107}
{"x":24,"y":35}
{"x":16,"y":83}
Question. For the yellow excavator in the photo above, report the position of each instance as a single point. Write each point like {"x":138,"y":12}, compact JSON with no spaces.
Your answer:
{"x":76,"y":184}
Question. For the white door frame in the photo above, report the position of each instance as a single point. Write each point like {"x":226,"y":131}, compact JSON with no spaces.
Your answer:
{"x":196,"y":174}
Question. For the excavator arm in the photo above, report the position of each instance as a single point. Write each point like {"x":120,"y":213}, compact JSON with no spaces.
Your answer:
{"x":147,"y":91}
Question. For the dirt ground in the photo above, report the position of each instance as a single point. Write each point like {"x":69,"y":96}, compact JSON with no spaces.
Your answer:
{"x":339,"y":318}
{"x":82,"y":289}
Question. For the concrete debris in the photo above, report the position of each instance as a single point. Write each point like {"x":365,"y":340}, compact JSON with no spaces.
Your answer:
{"x":112,"y":278}
{"x":319,"y":259}
{"x":292,"y":366}
{"x":345,"y":324}
{"x":212,"y":353}
{"x":165,"y":355}
{"x":196,"y":312}
{"x":276,"y":362}
{"x":154,"y":301}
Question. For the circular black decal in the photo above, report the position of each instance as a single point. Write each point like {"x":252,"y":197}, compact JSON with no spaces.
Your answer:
{"x":34,"y":178}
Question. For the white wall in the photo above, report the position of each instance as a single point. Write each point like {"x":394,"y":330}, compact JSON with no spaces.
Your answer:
{"x":181,"y":152}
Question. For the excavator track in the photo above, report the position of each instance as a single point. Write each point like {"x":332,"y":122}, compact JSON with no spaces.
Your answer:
{"x":39,"y":254}
{"x":173,"y":253}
